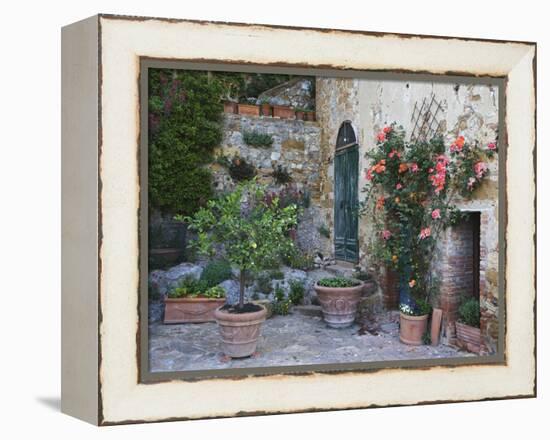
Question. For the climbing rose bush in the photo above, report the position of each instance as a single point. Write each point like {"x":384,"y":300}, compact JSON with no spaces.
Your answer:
{"x":411,"y":193}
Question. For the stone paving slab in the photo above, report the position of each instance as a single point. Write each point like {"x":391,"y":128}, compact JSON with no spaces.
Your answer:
{"x":289,"y":340}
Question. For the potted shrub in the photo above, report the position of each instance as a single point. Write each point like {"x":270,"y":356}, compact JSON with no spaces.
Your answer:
{"x":192,"y":301}
{"x":283,"y":112}
{"x":468,"y":333}
{"x":248,"y":109}
{"x":253,"y":231}
{"x":339,"y":298}
{"x":413,"y":322}
{"x":265,"y":107}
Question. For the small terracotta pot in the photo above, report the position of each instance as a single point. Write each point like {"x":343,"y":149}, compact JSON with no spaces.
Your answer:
{"x":229,"y":107}
{"x":310,"y":116}
{"x":249,"y":110}
{"x":183,"y":310}
{"x":283,"y":112}
{"x":239,"y":331}
{"x":300,"y":115}
{"x":266,"y":110}
{"x":468,"y":338}
{"x":339,"y":304}
{"x":412,"y":328}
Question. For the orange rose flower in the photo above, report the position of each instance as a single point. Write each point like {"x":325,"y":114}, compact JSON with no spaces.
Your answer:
{"x":403,"y":167}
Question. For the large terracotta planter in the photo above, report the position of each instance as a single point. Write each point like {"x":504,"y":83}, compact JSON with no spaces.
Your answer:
{"x":412,"y":328}
{"x":249,"y":110}
{"x":283,"y":112}
{"x":239,"y":331}
{"x":339,"y":304}
{"x":183,"y":310}
{"x":468,"y":338}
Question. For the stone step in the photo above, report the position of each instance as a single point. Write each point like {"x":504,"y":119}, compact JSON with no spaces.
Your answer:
{"x":341,"y":270}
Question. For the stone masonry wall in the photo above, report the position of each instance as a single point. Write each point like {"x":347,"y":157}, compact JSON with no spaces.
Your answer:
{"x":296,"y":147}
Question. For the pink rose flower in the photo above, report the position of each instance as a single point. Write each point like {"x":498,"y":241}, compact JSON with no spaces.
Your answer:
{"x":398,"y":186}
{"x":414,"y":167}
{"x":387,"y":129}
{"x":436,"y":213}
{"x":425,"y":233}
{"x":480,"y":168}
{"x":492,"y":146}
{"x":386,"y":234}
{"x":381,"y":137}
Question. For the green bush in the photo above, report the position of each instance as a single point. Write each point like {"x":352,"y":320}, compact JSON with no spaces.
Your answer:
{"x":215,"y":272}
{"x":185,"y":113}
{"x":299,"y":260}
{"x":263,"y":283}
{"x":277,"y":274}
{"x":189,"y":287}
{"x":338,"y":282}
{"x":469,"y":312}
{"x":296,"y":294}
{"x":281,"y":175}
{"x":281,"y":305}
{"x":240,"y":170}
{"x":257,"y":139}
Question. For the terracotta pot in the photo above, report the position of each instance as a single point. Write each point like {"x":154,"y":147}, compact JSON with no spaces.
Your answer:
{"x":229,"y":107}
{"x":283,"y":112}
{"x":266,"y":110}
{"x":183,"y":310}
{"x":412,"y":328}
{"x":468,"y":338}
{"x":339,"y":304}
{"x":249,"y":110}
{"x":300,"y":115}
{"x":310,"y":116}
{"x":239,"y":331}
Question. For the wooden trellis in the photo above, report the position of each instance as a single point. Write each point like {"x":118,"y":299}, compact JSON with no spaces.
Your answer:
{"x":425,"y":120}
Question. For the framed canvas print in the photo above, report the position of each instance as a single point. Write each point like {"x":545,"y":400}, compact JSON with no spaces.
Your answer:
{"x":262,"y":219}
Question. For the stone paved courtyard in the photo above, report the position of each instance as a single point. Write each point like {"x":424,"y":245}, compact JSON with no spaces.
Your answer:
{"x":295,"y":339}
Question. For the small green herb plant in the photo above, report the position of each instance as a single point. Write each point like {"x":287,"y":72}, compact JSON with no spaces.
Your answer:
{"x":257,"y":139}
{"x":281,"y":305}
{"x":469,"y":312}
{"x":338,"y":282}
{"x":191,"y":288}
{"x":296,"y":294}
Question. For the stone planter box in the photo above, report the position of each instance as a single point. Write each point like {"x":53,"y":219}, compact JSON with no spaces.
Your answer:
{"x":230,"y":107}
{"x":164,"y":257}
{"x":468,"y":338}
{"x":249,"y":110}
{"x":184,"y":310}
{"x":283,"y":112}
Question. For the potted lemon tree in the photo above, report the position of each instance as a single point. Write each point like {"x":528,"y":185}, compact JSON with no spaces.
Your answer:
{"x":253,"y":231}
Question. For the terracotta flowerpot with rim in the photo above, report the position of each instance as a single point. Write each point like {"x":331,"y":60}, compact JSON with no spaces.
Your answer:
{"x":240,"y":331}
{"x":339,"y":304}
{"x":468,"y":337}
{"x":184,"y":310}
{"x":412,"y":328}
{"x":283,"y":112}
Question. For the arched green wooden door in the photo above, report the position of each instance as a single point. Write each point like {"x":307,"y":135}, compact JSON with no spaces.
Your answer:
{"x":346,"y":200}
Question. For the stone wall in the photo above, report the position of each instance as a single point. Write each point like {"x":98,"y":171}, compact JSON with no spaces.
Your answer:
{"x":296,"y":147}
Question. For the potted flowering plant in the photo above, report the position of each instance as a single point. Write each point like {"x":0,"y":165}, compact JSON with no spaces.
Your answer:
{"x":411,"y":193}
{"x":468,"y":333}
{"x":192,"y":301}
{"x":253,"y":232}
{"x":339,"y":298}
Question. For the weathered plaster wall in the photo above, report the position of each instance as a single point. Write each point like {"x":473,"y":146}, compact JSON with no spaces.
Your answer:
{"x":468,"y":110}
